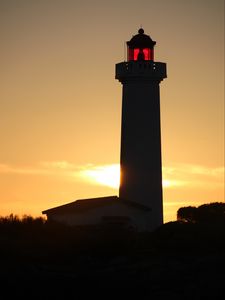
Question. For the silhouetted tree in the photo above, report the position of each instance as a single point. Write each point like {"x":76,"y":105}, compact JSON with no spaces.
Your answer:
{"x":187,"y":214}
{"x":212,"y":213}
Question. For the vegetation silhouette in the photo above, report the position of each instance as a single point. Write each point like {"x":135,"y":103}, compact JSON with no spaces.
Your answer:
{"x":213,"y":213}
{"x":182,"y":259}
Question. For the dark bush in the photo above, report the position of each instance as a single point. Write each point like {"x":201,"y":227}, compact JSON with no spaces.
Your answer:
{"x":212,"y":213}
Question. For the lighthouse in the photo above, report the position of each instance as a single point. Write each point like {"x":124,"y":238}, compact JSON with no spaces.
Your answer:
{"x":140,"y":156}
{"x":139,"y":205}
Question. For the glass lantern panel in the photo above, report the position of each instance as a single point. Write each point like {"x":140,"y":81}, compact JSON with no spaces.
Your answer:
{"x":130,"y":54}
{"x":147,"y":52}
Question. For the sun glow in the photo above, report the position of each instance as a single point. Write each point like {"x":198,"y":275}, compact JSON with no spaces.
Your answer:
{"x":109,"y":175}
{"x":167,"y":183}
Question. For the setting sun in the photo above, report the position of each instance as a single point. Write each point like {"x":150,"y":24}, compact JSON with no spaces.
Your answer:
{"x":108,"y":175}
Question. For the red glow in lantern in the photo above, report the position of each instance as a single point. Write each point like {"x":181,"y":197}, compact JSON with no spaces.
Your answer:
{"x":140,"y":47}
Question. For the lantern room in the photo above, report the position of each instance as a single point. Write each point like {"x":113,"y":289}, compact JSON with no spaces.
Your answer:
{"x":140,"y":47}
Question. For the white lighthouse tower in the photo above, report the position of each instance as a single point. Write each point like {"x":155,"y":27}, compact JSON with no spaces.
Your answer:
{"x":140,"y":161}
{"x":139,"y":205}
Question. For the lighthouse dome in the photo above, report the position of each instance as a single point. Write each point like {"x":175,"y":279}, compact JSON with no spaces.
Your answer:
{"x":141,"y":40}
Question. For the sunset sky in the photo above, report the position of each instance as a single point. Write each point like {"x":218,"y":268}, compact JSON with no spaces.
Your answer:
{"x":60,"y":105}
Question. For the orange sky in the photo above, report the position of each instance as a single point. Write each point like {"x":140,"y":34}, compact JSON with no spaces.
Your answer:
{"x":61,"y":105}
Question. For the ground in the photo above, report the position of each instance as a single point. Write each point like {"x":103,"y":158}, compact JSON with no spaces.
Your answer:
{"x":177,"y":261}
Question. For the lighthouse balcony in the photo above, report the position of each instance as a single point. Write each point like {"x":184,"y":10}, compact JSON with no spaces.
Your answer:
{"x":140,"y":69}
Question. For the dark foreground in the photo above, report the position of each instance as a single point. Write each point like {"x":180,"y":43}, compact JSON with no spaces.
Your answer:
{"x":46,"y":261}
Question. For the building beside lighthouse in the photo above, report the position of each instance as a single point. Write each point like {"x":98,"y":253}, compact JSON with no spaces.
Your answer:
{"x":139,"y":204}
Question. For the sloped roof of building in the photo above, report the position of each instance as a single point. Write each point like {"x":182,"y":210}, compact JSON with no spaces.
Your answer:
{"x":87,"y":204}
